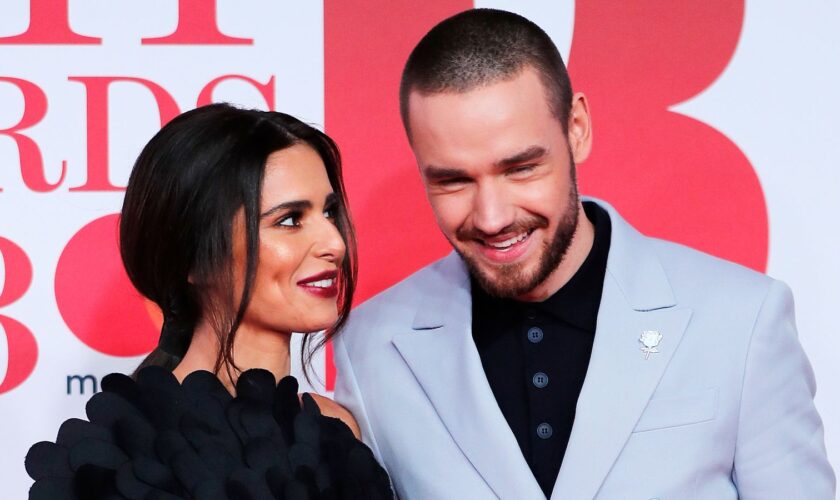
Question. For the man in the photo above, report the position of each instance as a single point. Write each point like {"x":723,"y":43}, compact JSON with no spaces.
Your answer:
{"x":558,"y":352}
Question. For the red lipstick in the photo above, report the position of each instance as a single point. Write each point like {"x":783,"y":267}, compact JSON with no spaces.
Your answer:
{"x":323,"y":285}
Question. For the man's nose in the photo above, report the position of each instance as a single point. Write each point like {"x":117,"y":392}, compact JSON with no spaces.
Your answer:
{"x":492,"y":209}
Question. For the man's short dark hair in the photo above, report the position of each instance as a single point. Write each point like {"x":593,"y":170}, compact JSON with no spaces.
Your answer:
{"x":482,"y":46}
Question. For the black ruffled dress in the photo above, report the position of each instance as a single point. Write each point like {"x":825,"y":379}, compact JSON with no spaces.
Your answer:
{"x":158,"y":439}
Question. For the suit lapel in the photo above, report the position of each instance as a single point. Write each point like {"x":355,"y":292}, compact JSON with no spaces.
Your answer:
{"x":442,"y":356}
{"x":620,"y":381}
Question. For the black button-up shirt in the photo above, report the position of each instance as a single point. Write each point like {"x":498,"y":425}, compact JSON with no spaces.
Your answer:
{"x":535,"y":355}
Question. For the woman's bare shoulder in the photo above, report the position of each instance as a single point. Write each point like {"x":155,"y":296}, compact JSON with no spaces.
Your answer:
{"x":330,"y":408}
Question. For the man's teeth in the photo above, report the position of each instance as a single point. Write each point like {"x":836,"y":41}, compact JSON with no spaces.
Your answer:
{"x":322,"y":283}
{"x":502,"y":245}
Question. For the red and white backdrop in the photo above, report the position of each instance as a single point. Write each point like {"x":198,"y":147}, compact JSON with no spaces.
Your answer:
{"x":715,"y":126}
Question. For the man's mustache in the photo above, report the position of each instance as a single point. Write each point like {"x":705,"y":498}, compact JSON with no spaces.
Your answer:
{"x":523,"y":225}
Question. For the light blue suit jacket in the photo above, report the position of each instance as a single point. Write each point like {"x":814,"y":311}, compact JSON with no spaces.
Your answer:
{"x":723,"y":410}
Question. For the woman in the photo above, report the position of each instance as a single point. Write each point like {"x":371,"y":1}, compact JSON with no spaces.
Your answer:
{"x":235,"y":224}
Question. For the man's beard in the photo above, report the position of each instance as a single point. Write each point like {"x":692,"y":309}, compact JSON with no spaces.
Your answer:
{"x":510,"y":280}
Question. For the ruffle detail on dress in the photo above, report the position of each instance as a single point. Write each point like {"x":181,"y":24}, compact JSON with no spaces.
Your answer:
{"x":158,"y":439}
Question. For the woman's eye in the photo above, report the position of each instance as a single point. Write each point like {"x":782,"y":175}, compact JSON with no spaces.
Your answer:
{"x":330,"y":213}
{"x":290,"y":220}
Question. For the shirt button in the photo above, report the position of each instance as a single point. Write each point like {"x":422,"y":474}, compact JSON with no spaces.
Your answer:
{"x":540,"y":380}
{"x":530,"y":313}
{"x":544,"y":431}
{"x":535,"y":335}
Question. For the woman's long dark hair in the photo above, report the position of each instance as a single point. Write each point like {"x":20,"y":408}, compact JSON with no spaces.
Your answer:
{"x":176,"y":229}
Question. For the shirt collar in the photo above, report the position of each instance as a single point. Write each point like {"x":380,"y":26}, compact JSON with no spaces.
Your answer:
{"x":578,"y":301}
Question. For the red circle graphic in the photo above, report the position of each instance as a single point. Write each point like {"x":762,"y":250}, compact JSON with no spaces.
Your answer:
{"x":95,"y":297}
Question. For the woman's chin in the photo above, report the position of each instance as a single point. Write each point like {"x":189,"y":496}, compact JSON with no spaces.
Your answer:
{"x":317,"y":326}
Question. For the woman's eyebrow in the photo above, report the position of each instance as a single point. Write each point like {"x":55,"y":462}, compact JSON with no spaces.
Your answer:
{"x":287,"y":205}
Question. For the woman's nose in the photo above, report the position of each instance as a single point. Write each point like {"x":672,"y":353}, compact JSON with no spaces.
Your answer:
{"x":330,"y":244}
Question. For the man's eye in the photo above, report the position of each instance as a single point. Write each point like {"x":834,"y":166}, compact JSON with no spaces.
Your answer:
{"x":522,"y":169}
{"x":453,"y":181}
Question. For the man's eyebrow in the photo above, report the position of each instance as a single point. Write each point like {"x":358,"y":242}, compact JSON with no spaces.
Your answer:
{"x":298,"y":205}
{"x":435,"y":173}
{"x":524,"y":156}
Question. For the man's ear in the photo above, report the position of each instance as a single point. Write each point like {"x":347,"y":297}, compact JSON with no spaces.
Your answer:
{"x":580,"y":128}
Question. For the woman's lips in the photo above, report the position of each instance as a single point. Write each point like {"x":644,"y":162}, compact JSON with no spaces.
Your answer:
{"x":323,"y":285}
